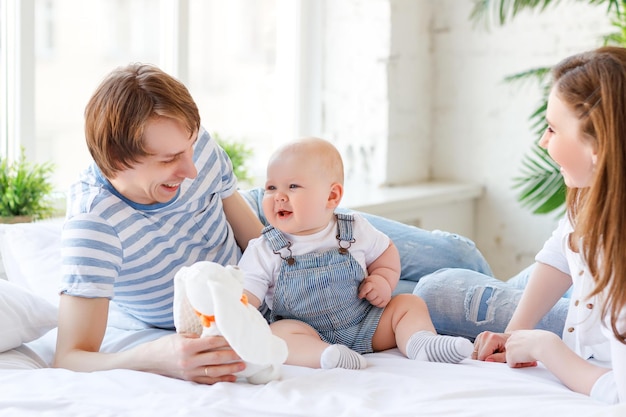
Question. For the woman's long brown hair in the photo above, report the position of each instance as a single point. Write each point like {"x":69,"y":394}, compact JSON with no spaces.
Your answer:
{"x":593,"y":84}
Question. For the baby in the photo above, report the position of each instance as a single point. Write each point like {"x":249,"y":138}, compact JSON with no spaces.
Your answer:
{"x":328,"y":277}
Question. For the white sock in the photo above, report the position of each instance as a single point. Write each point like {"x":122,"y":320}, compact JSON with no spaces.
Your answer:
{"x":427,"y":346}
{"x":340,"y":356}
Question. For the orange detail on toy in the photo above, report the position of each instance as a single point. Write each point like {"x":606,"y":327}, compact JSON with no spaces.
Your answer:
{"x":205,"y":320}
{"x":244,"y":299}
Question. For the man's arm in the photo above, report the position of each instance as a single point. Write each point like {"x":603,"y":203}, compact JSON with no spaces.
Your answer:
{"x":82,"y":324}
{"x":246,"y":225}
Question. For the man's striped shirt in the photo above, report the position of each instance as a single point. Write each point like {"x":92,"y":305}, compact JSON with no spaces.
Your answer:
{"x":129,"y":252}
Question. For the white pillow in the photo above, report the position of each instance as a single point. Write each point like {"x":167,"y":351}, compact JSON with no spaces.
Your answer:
{"x":21,"y":358}
{"x":24,"y":316}
{"x":31,"y":254}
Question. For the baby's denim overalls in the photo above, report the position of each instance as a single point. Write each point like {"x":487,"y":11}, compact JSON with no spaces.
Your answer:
{"x":321,"y":289}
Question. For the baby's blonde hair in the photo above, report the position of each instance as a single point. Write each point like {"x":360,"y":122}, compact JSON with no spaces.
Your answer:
{"x":320,"y":152}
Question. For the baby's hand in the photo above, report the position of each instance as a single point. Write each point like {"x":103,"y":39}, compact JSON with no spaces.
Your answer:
{"x":376,"y":290}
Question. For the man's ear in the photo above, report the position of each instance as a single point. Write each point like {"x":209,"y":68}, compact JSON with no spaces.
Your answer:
{"x":335,"y":195}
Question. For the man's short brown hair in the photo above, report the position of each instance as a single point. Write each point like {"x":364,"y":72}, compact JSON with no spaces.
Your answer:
{"x":119,"y":109}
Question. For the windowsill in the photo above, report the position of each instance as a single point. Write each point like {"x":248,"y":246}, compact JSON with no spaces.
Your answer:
{"x":366,"y":198}
{"x":444,"y":205}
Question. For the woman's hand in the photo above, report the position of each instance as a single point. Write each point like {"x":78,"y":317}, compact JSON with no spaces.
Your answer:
{"x":524,"y":347}
{"x":494,"y":347}
{"x":491,"y":347}
{"x":205,"y":360}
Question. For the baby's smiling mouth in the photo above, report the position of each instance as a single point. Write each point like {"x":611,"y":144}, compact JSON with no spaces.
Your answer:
{"x":283,"y":213}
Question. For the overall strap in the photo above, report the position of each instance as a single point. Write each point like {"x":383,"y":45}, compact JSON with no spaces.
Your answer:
{"x":278,"y":242}
{"x":344,"y":231}
{"x":275,"y":238}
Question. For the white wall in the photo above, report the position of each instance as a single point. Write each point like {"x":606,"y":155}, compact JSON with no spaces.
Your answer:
{"x":480,"y":127}
{"x":418,"y":76}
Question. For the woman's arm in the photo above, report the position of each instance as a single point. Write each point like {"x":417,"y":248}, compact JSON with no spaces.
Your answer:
{"x":618,"y":361}
{"x":245,"y":223}
{"x":82,"y":324}
{"x":545,"y":287}
{"x":524,"y":346}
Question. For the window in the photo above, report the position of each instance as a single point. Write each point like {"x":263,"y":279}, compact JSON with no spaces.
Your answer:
{"x":76,"y":44}
{"x":232,"y":70}
{"x":55,"y":52}
{"x":262,"y":71}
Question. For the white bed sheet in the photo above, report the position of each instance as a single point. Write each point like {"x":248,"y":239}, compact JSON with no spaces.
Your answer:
{"x":392,"y":385}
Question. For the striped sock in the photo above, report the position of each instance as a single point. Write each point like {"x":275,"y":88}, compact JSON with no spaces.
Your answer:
{"x":427,"y":346}
{"x":340,"y":356}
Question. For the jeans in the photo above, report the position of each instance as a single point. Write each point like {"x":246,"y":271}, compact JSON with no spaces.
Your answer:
{"x":421,"y":251}
{"x":465,"y":303}
{"x":453,"y":278}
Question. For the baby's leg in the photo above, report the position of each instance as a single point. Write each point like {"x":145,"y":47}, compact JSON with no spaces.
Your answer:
{"x":306,"y":348}
{"x":405,"y":323}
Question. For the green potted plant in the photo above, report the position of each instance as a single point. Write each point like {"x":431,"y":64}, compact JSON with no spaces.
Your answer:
{"x":541,"y":187}
{"x":25,"y":190}
{"x":238,"y":152}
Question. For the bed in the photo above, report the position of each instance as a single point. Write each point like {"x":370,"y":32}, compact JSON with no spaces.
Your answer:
{"x":391,"y":385}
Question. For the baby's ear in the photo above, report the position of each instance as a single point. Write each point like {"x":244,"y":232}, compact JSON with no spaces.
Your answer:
{"x":335,"y":195}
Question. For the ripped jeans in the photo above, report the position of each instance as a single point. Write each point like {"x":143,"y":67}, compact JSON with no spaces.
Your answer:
{"x":465,"y":303}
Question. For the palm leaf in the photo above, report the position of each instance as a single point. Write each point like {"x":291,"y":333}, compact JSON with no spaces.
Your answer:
{"x":538,"y":123}
{"x":500,"y":12}
{"x":541,"y":186}
{"x":619,"y":37}
{"x":539,"y":74}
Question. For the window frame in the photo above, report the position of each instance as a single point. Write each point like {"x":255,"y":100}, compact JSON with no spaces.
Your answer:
{"x":298,"y":61}
{"x":17,"y":77}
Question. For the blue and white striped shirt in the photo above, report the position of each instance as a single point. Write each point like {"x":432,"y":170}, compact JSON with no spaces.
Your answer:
{"x":129,"y":252}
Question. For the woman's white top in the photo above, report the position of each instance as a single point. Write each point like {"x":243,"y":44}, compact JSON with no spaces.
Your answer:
{"x":584,"y":331}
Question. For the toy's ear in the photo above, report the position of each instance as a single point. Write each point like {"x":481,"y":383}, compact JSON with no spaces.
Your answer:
{"x":185,"y":319}
{"x":198,"y":279}
{"x":236,"y":274}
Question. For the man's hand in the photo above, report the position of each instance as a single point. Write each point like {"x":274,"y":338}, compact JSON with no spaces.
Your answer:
{"x":205,"y":360}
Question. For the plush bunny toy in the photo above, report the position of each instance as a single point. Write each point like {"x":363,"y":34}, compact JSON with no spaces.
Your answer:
{"x":208,"y":301}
